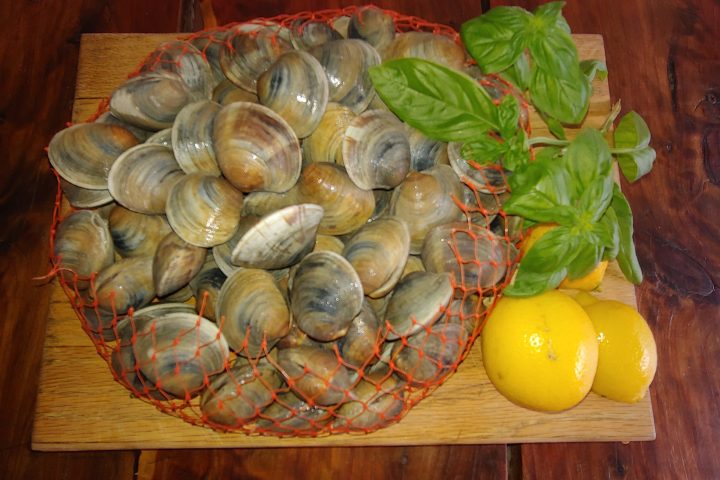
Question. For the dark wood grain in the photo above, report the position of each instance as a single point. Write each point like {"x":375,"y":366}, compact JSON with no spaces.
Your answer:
{"x":38,"y":58}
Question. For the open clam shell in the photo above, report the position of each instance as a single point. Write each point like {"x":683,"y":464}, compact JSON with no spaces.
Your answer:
{"x":204,"y":210}
{"x":151,"y":100}
{"x":418,"y":301}
{"x":428,"y":46}
{"x":255,"y":148}
{"x":83,"y":245}
{"x":84,"y":153}
{"x":376,"y":150}
{"x":279,"y":239}
{"x":175,"y":263}
{"x":347,"y":65}
{"x":142,"y":177}
{"x":325,"y":143}
{"x":135,"y":234}
{"x":178,"y":352}
{"x":254,"y":310}
{"x":316,"y":374}
{"x":296,"y":88}
{"x":183,"y":58}
{"x":326,"y":295}
{"x":125,"y":284}
{"x":192,"y":138}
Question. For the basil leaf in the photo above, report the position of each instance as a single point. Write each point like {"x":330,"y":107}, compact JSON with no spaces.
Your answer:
{"x":554,"y":51}
{"x":519,"y":72}
{"x":552,"y":251}
{"x":555,"y":127}
{"x":551,"y":14}
{"x":484,"y":150}
{"x":527,"y":283}
{"x":596,"y":198}
{"x":608,"y":231}
{"x":508,"y":115}
{"x":442,"y":103}
{"x":496,"y":40}
{"x":626,"y":257}
{"x":594,"y":69}
{"x":632,"y":132}
{"x":588,"y":255}
{"x":636,"y":164}
{"x":547,"y":153}
{"x":540,"y":193}
{"x":566,"y":98}
{"x":586,"y":159}
{"x":517,"y":154}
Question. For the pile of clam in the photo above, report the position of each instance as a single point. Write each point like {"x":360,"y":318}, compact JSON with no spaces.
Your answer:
{"x":256,"y":236}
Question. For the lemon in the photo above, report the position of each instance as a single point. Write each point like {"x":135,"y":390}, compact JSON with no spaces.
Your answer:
{"x":585,"y":298}
{"x":628,"y":355}
{"x":540,"y":352}
{"x":591,"y":281}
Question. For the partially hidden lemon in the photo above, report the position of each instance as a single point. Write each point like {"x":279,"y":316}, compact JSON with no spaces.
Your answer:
{"x":540,"y":352}
{"x":627,"y":358}
{"x":591,"y":281}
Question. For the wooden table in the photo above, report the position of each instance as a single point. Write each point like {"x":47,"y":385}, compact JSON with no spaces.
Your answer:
{"x":662,"y":64}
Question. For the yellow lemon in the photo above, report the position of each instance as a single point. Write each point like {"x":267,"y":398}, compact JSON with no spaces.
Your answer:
{"x":628,"y":355}
{"x":585,"y":298}
{"x":540,"y":352}
{"x":591,"y":281}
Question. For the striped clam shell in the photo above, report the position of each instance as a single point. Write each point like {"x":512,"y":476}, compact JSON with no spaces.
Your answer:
{"x":82,"y":245}
{"x":135,"y":234}
{"x":183,"y":58}
{"x":192,"y":138}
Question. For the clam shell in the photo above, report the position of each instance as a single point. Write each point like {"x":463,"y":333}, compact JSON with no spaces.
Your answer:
{"x":142,"y":177}
{"x":192,"y":138}
{"x":84,"y":153}
{"x":326,"y":295}
{"x":223,"y":253}
{"x":378,"y":252}
{"x":306,"y":34}
{"x":325,"y":143}
{"x":291,"y":415}
{"x":425,"y":152}
{"x":279,"y":239}
{"x":206,"y":287}
{"x":135,"y":234}
{"x":162,"y":137}
{"x":178,"y":352}
{"x":296,"y":88}
{"x":262,"y":203}
{"x":123,"y":364}
{"x":151,"y":100}
{"x":379,"y":401}
{"x":413,"y":264}
{"x":83,"y":197}
{"x":110,"y":119}
{"x":376,"y":151}
{"x":204,"y":210}
{"x":255,"y":148}
{"x":361,"y":344}
{"x":372,"y":25}
{"x":236,"y":397}
{"x":82,"y":245}
{"x":347,"y":65}
{"x":428,"y":46}
{"x":254,"y":311}
{"x":227,"y":92}
{"x":125,"y":284}
{"x":316,"y":374}
{"x":418,"y":301}
{"x":175,"y":263}
{"x":490,"y":179}
{"x":183,"y":58}
{"x":210,"y":44}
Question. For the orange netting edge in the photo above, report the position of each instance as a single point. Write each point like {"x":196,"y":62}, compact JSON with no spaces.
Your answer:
{"x":315,"y":420}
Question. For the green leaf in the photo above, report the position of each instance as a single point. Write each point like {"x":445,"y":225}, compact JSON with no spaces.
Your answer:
{"x":608,"y":231}
{"x":587,"y":158}
{"x":527,"y":283}
{"x":552,"y":251}
{"x":596,"y":198}
{"x":588,"y":254}
{"x":564,"y":98}
{"x":442,"y":103}
{"x":594,"y":68}
{"x":551,"y":14}
{"x":496,"y":39}
{"x":519,"y":72}
{"x":508,"y":115}
{"x":635,"y":165}
{"x":632,"y":132}
{"x":517,"y":154}
{"x":626,"y":257}
{"x":555,"y":127}
{"x":554,"y":51}
{"x":486,"y":149}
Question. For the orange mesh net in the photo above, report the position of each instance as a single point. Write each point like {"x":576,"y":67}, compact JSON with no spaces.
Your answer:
{"x":176,"y":356}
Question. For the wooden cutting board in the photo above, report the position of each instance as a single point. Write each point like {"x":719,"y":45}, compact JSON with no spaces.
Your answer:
{"x":81,"y":407}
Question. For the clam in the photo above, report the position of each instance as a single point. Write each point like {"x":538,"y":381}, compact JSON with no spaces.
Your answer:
{"x":346,"y":206}
{"x":382,"y":204}
{"x":204,"y":210}
{"x":509,"y":227}
{"x":376,"y":151}
{"x":279,"y":239}
{"x":182,"y":294}
{"x":428,"y":46}
{"x":98,"y":323}
{"x":379,"y":401}
{"x":255,"y":148}
{"x":192,"y":138}
{"x":417,"y":302}
{"x":142,"y":177}
{"x":210,"y":44}
{"x":253,"y":312}
{"x":291,"y":415}
{"x":306,"y":34}
{"x":151,"y":100}
{"x":248,"y":54}
{"x":83,"y":197}
{"x":372,"y":25}
{"x":326,"y":295}
{"x":162,"y":137}
{"x":490,"y":178}
{"x":316,"y":374}
{"x":237,"y":396}
{"x":84,"y":153}
{"x":125,"y":284}
{"x":227,"y":92}
{"x":347,"y":65}
{"x":135,"y":234}
{"x":426,"y":199}
{"x":296,"y":88}
{"x":429,"y":356}
{"x":467,"y":311}
{"x":425,"y":152}
{"x":341,"y":24}
{"x":223,"y":253}
{"x":328,"y":243}
{"x":476,"y":257}
{"x":179,"y":352}
{"x":183,"y":58}
{"x":378,"y":252}
{"x":82,"y":245}
{"x":123,"y":364}
{"x":206,"y":286}
{"x":480,"y":207}
{"x":325,"y":143}
{"x":110,"y":119}
{"x":263,"y":203}
{"x":361,"y":344}
{"x":175,"y":263}
{"x":413,"y":264}
{"x":298,"y":338}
